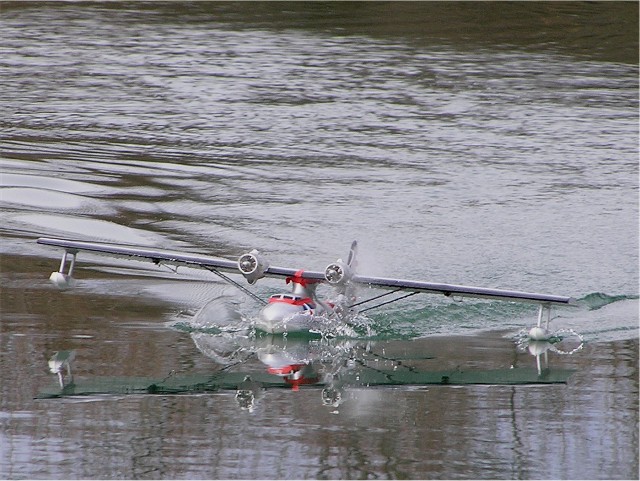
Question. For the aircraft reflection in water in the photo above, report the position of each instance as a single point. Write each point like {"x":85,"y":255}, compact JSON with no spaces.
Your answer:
{"x":331,"y":365}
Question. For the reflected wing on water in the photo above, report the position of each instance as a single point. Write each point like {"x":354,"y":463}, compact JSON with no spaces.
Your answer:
{"x":360,"y":378}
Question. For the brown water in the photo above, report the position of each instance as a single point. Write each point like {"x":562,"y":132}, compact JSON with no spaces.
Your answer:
{"x":491,"y":144}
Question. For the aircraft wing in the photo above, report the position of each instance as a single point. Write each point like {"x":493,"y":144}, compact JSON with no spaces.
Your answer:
{"x":460,"y":291}
{"x":166,"y":257}
{"x":213,"y":263}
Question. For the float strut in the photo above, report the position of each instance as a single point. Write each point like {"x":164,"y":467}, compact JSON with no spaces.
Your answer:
{"x":540,"y":314}
{"x":64,"y":262}
{"x":59,"y":278}
{"x":539,"y":362}
{"x":73,"y":263}
{"x":540,"y":310}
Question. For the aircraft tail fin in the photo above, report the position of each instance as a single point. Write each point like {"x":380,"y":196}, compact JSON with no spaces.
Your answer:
{"x":351,"y":260}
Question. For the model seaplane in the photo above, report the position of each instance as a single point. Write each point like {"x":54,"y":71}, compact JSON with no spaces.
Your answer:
{"x":299,"y":309}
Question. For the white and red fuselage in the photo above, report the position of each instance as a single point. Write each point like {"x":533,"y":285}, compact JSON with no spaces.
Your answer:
{"x":292,"y":311}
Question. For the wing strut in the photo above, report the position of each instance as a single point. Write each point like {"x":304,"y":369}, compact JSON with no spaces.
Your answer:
{"x":389,"y":302}
{"x":226,"y":278}
{"x":374,"y":298}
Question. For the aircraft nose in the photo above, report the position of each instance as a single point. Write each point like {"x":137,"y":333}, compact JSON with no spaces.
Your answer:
{"x":277,"y":312}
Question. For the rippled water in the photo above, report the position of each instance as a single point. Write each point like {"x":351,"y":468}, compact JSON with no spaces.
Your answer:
{"x":469,"y":144}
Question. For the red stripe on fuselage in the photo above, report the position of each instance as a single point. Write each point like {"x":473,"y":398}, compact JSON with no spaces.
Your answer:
{"x":294,"y":302}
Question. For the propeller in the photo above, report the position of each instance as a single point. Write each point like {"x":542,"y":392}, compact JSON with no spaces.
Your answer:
{"x":252,"y":266}
{"x":248,"y":264}
{"x":338,"y":273}
{"x":334,"y":273}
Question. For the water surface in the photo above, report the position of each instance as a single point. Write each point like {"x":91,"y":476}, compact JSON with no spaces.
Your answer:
{"x":482,"y":144}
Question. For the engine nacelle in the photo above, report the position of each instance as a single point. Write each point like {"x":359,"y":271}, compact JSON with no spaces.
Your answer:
{"x":252,"y":266}
{"x":337,"y":273}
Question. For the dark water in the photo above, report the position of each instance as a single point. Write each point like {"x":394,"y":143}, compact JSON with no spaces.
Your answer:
{"x":491,"y":144}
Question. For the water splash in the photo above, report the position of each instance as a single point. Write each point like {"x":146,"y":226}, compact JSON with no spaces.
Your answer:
{"x":562,"y":341}
{"x":229,"y":314}
{"x":598,"y":300}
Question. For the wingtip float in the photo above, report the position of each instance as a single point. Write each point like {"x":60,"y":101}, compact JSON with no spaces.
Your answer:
{"x":295,"y":311}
